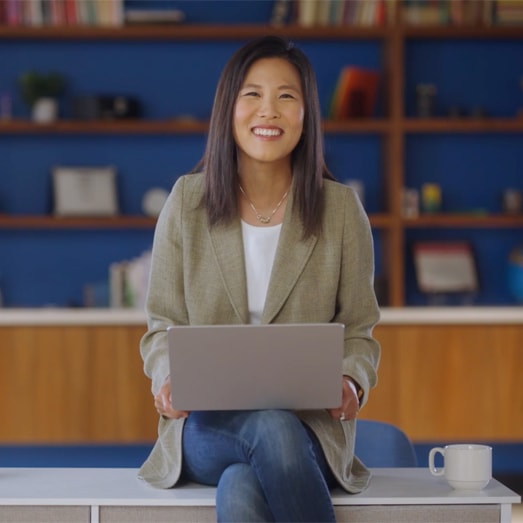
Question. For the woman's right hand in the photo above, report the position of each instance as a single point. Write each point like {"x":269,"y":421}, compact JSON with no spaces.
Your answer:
{"x":162,"y":402}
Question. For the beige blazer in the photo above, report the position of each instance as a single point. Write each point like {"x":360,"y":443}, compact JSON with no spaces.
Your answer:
{"x":198,"y":277}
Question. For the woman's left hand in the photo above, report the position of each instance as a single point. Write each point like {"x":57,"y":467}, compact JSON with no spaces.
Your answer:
{"x":350,"y":404}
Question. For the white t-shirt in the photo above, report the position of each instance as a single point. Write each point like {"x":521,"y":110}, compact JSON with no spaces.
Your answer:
{"x":259,"y":248}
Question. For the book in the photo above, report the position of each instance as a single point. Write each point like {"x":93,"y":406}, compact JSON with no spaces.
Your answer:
{"x":509,"y":12}
{"x":128,"y":281}
{"x":154,"y":16}
{"x":425,"y":12}
{"x":307,"y":12}
{"x":355,"y":94}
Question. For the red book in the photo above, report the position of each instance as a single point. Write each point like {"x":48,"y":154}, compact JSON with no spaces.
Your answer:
{"x":355,"y":94}
{"x":70,"y":12}
{"x":3,"y":12}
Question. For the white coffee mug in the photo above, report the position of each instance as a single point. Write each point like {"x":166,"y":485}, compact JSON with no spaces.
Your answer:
{"x":465,"y":466}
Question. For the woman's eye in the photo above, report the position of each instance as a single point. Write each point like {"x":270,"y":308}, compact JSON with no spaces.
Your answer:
{"x":287,"y":95}
{"x":250,"y":93}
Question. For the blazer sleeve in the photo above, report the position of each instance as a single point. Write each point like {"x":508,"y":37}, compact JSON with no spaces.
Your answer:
{"x":357,"y":307}
{"x":165,"y":304}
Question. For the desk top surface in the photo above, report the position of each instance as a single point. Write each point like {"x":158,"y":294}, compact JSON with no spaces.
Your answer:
{"x":389,"y":316}
{"x":120,"y":486}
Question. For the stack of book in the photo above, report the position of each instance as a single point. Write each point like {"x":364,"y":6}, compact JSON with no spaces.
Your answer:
{"x":509,"y":12}
{"x":36,"y":13}
{"x":425,"y":12}
{"x":341,"y":12}
{"x":109,"y":13}
{"x":128,"y":282}
{"x":462,"y":12}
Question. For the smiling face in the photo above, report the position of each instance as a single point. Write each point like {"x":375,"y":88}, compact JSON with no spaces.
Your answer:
{"x":268,"y":114}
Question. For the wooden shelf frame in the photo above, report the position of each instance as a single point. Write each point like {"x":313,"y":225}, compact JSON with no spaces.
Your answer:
{"x":393,"y":129}
{"x":75,"y":222}
{"x":28,"y":222}
{"x":193,"y":32}
{"x":464,"y":220}
{"x":186,"y":126}
{"x":463,"y":125}
{"x":243,"y":31}
{"x":174,"y":126}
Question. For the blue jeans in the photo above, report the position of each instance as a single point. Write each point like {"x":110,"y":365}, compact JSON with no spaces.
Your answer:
{"x":267,"y":466}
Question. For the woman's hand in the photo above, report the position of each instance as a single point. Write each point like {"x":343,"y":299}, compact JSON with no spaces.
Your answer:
{"x":350,"y":404}
{"x":162,"y":402}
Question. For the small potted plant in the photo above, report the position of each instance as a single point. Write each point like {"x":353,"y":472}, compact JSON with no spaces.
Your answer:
{"x":40,"y":91}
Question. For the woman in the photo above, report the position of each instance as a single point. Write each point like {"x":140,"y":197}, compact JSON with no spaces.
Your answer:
{"x":263,"y":234}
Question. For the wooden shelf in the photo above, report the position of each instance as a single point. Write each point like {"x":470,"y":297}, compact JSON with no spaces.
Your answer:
{"x":117,"y":222}
{"x":463,"y":125}
{"x":394,"y":130}
{"x":185,"y":126}
{"x":73,"y":222}
{"x":462,"y":32}
{"x":363,"y":125}
{"x":174,"y":126}
{"x":412,"y":125}
{"x":381,"y":221}
{"x":244,"y":31}
{"x":192,"y":32}
{"x":465,"y":220}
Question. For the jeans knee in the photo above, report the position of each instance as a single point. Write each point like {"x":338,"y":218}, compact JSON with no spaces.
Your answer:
{"x":279,"y":434}
{"x":239,"y":496}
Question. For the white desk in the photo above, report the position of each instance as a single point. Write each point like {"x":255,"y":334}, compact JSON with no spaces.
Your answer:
{"x":53,"y":495}
{"x":479,"y":315}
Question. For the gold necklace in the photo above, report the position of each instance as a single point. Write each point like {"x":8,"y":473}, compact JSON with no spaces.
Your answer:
{"x":260,"y":217}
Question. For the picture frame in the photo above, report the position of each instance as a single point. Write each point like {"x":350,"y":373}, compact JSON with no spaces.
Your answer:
{"x":84,"y":191}
{"x":445,"y":267}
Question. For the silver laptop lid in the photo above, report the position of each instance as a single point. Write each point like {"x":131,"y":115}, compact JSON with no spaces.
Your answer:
{"x":236,"y":367}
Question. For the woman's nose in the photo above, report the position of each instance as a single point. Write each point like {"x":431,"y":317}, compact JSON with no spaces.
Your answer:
{"x":268,"y":108}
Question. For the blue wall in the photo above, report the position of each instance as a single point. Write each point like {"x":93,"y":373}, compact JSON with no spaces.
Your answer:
{"x":178,"y":78}
{"x":472,"y":169}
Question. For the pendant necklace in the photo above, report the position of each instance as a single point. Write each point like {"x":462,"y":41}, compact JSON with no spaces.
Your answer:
{"x":260,"y":217}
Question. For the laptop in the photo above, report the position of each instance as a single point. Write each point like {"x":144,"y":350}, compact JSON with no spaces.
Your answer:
{"x":250,"y":367}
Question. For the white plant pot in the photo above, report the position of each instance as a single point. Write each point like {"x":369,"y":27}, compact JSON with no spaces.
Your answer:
{"x":45,"y":110}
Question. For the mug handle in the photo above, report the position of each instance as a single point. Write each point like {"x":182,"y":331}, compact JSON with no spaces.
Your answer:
{"x":432,"y":454}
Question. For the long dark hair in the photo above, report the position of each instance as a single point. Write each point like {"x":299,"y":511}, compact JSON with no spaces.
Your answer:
{"x":220,"y":161}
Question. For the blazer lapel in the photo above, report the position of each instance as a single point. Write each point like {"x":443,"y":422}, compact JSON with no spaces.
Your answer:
{"x":228,"y":250}
{"x":292,"y":255}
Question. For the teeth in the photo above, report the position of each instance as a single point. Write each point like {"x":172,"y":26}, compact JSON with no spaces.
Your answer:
{"x":267,"y":132}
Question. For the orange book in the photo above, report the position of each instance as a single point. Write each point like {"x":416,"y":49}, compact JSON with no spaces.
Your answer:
{"x":355,"y":93}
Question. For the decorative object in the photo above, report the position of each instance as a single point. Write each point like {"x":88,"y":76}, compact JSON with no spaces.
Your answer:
{"x":426,"y":100}
{"x":445,"y":267}
{"x":85,"y":191}
{"x":512,"y":201}
{"x":153,"y":200}
{"x":478,"y":112}
{"x":40,"y":92}
{"x":45,"y":110}
{"x":103,"y":107}
{"x":410,"y":203}
{"x":431,"y":197}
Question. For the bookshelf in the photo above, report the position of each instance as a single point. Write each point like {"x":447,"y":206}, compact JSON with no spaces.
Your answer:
{"x":390,"y":133}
